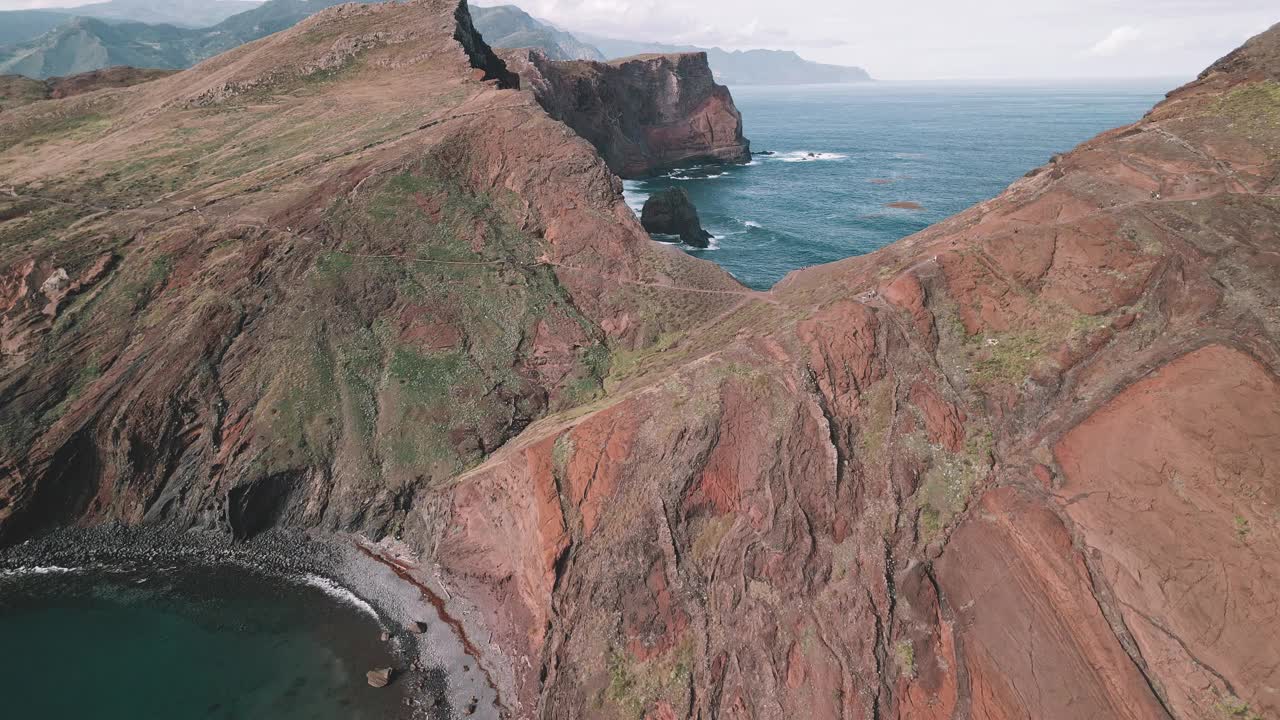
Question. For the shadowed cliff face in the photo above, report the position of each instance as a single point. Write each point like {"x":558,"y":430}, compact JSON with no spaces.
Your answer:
{"x":1020,"y":464}
{"x":645,"y":114}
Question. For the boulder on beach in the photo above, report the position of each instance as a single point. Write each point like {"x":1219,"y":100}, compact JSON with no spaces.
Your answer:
{"x":379,"y":678}
{"x":417,"y":627}
{"x":671,"y":212}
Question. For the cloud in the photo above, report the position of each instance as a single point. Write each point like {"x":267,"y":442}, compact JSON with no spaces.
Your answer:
{"x":1115,"y":42}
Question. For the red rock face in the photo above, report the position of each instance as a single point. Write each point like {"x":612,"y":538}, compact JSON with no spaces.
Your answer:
{"x":645,"y":114}
{"x":1018,"y":465}
{"x":985,"y":472}
{"x":1036,"y":642}
{"x":1182,"y":460}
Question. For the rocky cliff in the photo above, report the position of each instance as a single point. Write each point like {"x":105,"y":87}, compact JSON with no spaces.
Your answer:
{"x":644,"y":114}
{"x":1020,"y":464}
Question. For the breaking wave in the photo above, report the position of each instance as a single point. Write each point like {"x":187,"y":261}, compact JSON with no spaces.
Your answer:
{"x":339,"y":593}
{"x":808,"y":156}
{"x":39,"y":570}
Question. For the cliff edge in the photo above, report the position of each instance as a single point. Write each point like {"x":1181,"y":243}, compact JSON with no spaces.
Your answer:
{"x":1019,"y":464}
{"x":645,"y":114}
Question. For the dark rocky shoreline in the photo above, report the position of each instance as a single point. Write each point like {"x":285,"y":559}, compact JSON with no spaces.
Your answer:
{"x":425,"y":673}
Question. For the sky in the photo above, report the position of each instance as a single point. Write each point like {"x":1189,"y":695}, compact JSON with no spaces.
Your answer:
{"x":943,"y":39}
{"x":930,"y":39}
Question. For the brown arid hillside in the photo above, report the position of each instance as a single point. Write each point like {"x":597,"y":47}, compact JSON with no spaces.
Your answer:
{"x":306,"y":280}
{"x":16,"y":90}
{"x":1022,"y":464}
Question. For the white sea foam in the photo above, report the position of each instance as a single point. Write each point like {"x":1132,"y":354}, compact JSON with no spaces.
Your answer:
{"x":339,"y":593}
{"x":809,"y":156}
{"x":753,"y":224}
{"x":38,"y":570}
{"x":634,"y":197}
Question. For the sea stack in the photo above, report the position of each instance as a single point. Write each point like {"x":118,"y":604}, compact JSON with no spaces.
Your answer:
{"x":671,"y":212}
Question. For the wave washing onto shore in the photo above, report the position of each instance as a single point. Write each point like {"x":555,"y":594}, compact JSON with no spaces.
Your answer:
{"x":339,"y":593}
{"x":39,"y":570}
{"x":634,"y":196}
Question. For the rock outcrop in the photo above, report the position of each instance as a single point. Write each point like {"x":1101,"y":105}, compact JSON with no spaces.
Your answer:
{"x":644,"y":114}
{"x":671,"y":212}
{"x":1019,"y":464}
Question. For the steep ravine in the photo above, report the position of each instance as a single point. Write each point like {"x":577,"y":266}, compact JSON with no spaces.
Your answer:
{"x":1020,"y":464}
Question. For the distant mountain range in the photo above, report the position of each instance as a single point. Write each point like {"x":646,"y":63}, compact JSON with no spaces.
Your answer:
{"x":83,"y":44}
{"x":169,"y":34}
{"x":507,"y":26}
{"x":80,"y":44}
{"x":742,"y":67}
{"x":18,"y":26}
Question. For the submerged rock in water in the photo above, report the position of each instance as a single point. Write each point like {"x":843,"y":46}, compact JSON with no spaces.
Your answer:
{"x":671,"y":212}
{"x":379,"y":678}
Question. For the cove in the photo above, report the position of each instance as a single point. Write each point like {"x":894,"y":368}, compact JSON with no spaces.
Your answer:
{"x":145,"y":623}
{"x":204,"y":642}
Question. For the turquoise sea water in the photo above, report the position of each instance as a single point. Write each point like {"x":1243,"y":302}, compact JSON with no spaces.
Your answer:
{"x":945,"y":147}
{"x":176,"y":644}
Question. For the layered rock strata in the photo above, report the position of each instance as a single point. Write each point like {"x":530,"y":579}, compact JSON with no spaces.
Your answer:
{"x":1019,"y":464}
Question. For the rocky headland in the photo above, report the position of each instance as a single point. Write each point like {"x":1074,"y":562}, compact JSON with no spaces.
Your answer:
{"x":1019,"y":464}
{"x":644,"y":114}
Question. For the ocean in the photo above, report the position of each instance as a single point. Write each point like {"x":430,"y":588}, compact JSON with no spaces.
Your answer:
{"x":843,"y":153}
{"x":216,"y":642}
